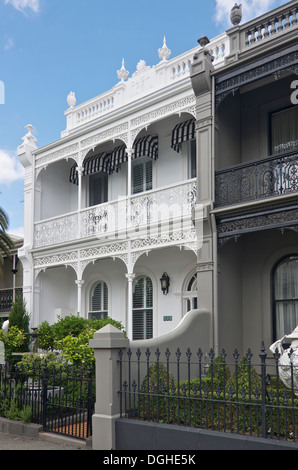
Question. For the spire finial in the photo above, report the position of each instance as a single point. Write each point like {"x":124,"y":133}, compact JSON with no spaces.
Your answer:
{"x":164,"y":52}
{"x":122,"y":74}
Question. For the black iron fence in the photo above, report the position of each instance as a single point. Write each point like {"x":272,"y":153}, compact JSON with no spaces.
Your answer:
{"x":61,"y":400}
{"x":229,"y":394}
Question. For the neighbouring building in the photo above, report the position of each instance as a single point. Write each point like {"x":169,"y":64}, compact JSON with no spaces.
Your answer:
{"x":11,"y":279}
{"x":175,"y":191}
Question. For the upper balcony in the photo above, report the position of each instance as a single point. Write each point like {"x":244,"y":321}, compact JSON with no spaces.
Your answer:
{"x":140,"y":216}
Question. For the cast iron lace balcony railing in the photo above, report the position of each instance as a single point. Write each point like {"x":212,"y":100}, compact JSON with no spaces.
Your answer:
{"x":273,"y":176}
{"x":118,"y":217}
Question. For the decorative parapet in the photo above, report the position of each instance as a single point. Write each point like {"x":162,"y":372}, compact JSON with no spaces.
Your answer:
{"x":144,"y":80}
{"x":276,"y":25}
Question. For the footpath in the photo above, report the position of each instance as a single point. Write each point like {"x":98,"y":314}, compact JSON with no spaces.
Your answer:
{"x":15,"y":435}
{"x":44,"y":441}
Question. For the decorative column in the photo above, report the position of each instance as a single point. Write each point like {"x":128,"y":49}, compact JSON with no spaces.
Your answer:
{"x":129,"y":165}
{"x":27,"y":158}
{"x":130,"y":277}
{"x":80,"y":172}
{"x":79,"y":283}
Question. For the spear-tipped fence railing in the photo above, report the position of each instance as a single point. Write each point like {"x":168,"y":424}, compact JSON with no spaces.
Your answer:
{"x":224,"y":393}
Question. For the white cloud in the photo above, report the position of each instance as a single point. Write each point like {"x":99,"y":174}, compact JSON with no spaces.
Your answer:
{"x":18,"y":232}
{"x":250,"y":9}
{"x":10,"y":168}
{"x":23,"y":5}
{"x":9,"y":44}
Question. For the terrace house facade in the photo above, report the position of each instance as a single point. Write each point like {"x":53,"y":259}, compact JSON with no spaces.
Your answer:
{"x":175,"y":193}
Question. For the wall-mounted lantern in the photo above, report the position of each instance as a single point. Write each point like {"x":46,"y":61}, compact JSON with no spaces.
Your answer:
{"x":165,"y":282}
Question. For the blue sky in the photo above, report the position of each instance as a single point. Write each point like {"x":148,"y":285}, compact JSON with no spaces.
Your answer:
{"x":51,"y":47}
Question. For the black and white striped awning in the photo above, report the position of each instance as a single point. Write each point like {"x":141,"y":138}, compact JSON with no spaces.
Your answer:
{"x":92,"y":164}
{"x":109,"y":162}
{"x":182,"y":133}
{"x":146,"y":147}
{"x":143,"y":147}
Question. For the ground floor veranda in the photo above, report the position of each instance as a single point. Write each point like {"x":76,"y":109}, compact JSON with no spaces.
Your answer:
{"x":249,"y":286}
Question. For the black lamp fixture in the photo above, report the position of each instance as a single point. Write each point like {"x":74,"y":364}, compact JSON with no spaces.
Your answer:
{"x":165,"y":282}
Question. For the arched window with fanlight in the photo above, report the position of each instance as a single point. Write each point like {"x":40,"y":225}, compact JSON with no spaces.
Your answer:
{"x":190,"y":294}
{"x":142,"y":308}
{"x":98,"y":301}
{"x":285,"y":296}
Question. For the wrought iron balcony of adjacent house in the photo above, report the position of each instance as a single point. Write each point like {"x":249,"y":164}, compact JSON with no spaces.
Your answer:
{"x":269,"y":177}
{"x":7,"y":297}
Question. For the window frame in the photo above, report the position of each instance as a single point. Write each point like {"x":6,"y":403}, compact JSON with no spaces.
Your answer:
{"x":142,"y":161}
{"x":101,"y":176}
{"x":147,"y":323}
{"x":102,"y":312}
{"x":271,"y":114}
{"x":275,"y":301}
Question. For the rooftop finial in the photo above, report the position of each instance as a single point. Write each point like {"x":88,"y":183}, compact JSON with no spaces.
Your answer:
{"x":236,"y":14}
{"x":71,"y":99}
{"x":29,"y":137}
{"x":164,"y":52}
{"x":122,"y":74}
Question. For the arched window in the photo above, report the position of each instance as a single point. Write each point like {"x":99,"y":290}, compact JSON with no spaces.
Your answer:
{"x":285,"y":296}
{"x":142,"y":308}
{"x":98,"y":302}
{"x":192,"y":301}
{"x":190,"y":294}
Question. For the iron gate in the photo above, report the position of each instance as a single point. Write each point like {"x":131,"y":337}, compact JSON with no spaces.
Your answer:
{"x":61,"y":400}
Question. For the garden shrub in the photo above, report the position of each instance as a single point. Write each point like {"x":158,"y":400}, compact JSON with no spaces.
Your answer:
{"x":71,"y":325}
{"x":70,"y":336}
{"x":14,"y":341}
{"x":246,"y":377}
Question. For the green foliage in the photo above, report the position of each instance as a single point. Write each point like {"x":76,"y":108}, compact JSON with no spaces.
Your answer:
{"x":52,"y":336}
{"x":70,"y":325}
{"x":218,"y":374}
{"x":157,"y":377}
{"x":70,"y":335}
{"x":35,"y":362}
{"x":14,"y":341}
{"x":46,"y":340}
{"x":76,"y":350}
{"x":245,"y":377}
{"x":19,"y":316}
{"x":23,"y":414}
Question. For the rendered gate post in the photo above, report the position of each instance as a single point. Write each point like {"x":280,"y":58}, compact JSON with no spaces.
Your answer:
{"x":107,"y":343}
